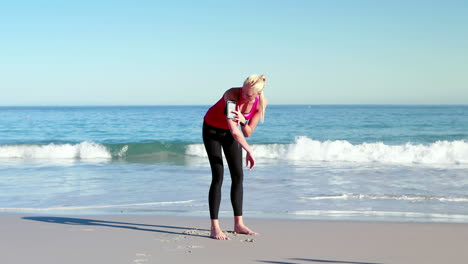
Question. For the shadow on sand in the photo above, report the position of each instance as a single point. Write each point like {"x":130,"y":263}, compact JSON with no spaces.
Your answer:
{"x":124,"y":225}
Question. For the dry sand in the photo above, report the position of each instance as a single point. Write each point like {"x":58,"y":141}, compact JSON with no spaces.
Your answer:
{"x":29,"y":238}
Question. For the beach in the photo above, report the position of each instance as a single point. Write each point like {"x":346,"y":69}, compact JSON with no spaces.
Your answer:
{"x":37,"y":238}
{"x":341,"y":184}
{"x":331,"y":162}
{"x":351,"y":144}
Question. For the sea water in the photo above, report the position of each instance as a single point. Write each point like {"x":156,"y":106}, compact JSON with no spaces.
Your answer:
{"x":344,"y":162}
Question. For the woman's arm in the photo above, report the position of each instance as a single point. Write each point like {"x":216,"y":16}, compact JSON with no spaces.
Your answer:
{"x":249,"y":128}
{"x":231,"y":94}
{"x":239,"y":137}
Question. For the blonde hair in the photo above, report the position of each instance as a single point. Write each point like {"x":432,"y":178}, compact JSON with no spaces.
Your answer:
{"x":257,"y":82}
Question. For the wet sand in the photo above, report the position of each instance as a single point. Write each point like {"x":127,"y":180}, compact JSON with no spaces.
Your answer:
{"x":32,"y":238}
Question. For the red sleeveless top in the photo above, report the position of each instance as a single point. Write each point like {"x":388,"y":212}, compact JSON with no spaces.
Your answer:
{"x":215,"y":115}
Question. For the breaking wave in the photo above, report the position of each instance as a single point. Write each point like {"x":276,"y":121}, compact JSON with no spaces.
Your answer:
{"x":306,"y":149}
{"x":302,"y":149}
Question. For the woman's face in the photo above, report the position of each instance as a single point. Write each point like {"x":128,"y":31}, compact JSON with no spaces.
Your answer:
{"x":249,"y":94}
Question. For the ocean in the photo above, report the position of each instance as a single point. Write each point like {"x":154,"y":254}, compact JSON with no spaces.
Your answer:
{"x":330,"y":162}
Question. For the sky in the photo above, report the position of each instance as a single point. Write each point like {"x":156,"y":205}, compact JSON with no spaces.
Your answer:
{"x":190,"y":52}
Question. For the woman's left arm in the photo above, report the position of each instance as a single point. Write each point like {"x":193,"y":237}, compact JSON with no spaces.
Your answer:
{"x":249,"y":128}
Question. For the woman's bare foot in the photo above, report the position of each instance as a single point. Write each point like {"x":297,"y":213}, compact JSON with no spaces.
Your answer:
{"x":216,"y":232}
{"x":242,"y":229}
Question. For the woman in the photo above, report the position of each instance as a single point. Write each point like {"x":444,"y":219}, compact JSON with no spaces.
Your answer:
{"x":221,"y":132}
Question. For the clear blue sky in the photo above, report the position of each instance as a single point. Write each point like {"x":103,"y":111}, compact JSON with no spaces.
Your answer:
{"x":189,"y":52}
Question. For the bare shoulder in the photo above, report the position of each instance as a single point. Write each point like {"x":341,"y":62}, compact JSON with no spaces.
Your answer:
{"x":231,"y":94}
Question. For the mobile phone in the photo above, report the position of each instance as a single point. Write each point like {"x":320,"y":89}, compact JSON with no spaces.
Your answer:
{"x":230,"y":106}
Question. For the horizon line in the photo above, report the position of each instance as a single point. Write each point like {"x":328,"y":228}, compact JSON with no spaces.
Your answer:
{"x":294,"y":104}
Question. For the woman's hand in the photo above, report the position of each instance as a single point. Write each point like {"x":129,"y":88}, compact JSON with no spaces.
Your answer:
{"x":239,"y":116}
{"x":250,"y":159}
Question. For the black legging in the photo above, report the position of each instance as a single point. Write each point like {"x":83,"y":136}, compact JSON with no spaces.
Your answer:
{"x":215,"y":138}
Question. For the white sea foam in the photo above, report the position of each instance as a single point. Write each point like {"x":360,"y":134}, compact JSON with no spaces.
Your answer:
{"x":413,"y":198}
{"x":93,"y":207}
{"x":306,"y":149}
{"x":123,"y":151}
{"x":83,"y":150}
{"x":405,"y":216}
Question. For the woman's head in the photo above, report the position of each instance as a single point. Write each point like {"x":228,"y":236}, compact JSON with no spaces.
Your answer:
{"x":255,"y":82}
{"x":253,"y":87}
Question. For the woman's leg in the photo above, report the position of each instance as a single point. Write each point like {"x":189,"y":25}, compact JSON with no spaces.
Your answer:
{"x":211,"y":140}
{"x":233,"y":154}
